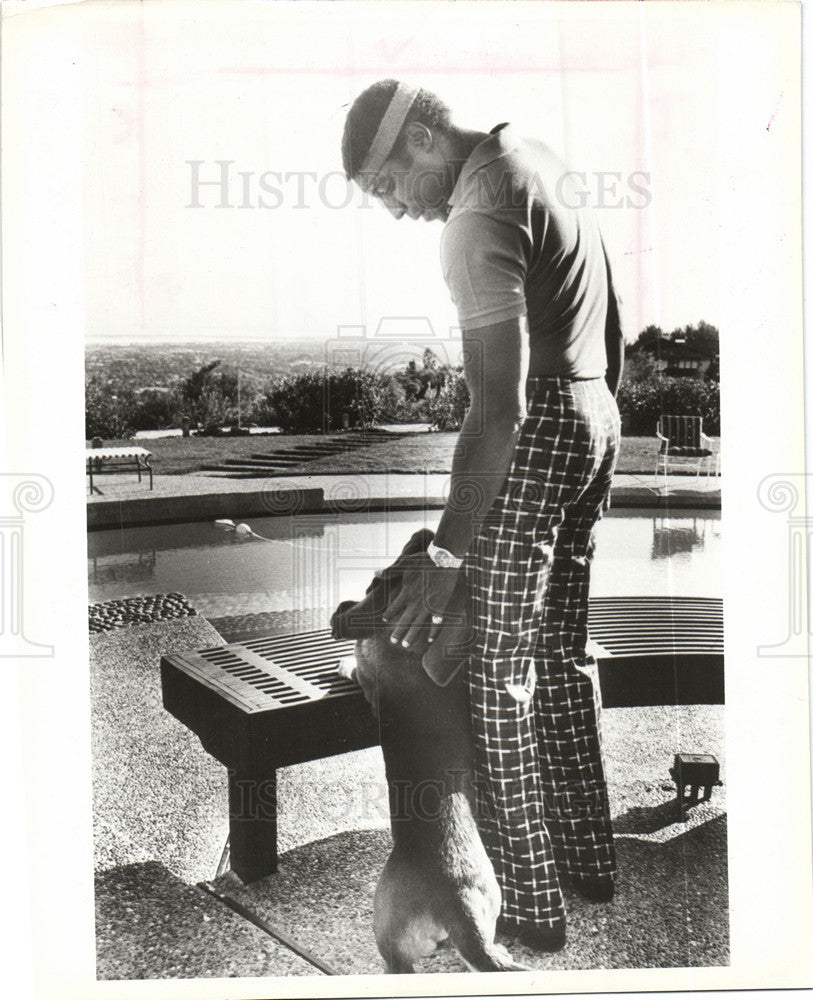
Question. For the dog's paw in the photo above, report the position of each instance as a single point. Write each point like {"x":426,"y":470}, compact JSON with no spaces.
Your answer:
{"x":347,"y":667}
{"x":511,"y":964}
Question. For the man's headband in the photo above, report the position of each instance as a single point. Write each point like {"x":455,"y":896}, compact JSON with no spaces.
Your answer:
{"x":389,"y":128}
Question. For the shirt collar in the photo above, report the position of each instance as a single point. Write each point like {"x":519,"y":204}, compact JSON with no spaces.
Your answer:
{"x":500,"y":140}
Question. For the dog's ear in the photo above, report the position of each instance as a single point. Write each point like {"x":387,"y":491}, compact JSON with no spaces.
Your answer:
{"x":418,"y":543}
{"x":339,"y":625}
{"x":358,"y":620}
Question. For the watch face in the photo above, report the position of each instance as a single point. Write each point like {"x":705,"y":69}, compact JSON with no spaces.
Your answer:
{"x":443,"y":558}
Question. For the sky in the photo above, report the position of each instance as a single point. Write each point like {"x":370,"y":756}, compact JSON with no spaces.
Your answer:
{"x":214,"y":202}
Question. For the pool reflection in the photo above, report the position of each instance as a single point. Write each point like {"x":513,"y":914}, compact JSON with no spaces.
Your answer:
{"x":670,"y":538}
{"x":315,"y":561}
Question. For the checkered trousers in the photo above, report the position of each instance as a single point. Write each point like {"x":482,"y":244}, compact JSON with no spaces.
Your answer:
{"x":542,"y":796}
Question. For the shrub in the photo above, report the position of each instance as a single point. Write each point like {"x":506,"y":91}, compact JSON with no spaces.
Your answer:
{"x":315,"y":402}
{"x":213,"y":411}
{"x":647,"y":401}
{"x":447,"y":410}
{"x":154,"y":412}
{"x":108,"y":414}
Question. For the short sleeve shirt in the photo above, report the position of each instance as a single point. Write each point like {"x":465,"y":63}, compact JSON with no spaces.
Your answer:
{"x":517,"y":242}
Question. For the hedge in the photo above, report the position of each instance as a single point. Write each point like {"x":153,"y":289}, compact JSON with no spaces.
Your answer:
{"x":646,"y":402}
{"x":314,"y":402}
{"x":447,"y":410}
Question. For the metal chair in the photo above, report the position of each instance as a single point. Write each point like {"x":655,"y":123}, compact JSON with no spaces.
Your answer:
{"x":682,"y":441}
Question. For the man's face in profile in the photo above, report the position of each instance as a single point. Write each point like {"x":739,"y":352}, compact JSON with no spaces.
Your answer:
{"x":417,"y":184}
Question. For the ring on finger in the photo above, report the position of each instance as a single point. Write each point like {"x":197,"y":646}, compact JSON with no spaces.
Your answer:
{"x":437,"y":619}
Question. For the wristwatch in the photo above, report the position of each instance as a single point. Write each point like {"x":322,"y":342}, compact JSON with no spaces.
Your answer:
{"x":443,"y":557}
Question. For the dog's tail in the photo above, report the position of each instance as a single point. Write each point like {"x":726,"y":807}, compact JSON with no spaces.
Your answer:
{"x":479,"y":951}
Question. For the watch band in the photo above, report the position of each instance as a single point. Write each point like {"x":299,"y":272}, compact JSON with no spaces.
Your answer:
{"x":443,"y":557}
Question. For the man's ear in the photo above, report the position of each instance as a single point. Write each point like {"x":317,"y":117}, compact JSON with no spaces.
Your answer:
{"x":419,"y":137}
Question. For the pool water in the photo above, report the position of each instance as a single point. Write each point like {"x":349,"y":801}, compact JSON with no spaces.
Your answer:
{"x":316,"y":561}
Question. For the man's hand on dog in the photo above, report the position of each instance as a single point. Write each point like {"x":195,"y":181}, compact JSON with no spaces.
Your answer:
{"x":416,"y":612}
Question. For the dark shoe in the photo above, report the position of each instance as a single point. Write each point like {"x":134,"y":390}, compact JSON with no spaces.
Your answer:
{"x":596,"y":888}
{"x":540,"y":937}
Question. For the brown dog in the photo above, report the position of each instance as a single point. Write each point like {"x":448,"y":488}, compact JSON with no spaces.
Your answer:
{"x":438,"y":882}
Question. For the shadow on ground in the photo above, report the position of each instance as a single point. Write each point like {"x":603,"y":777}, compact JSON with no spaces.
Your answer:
{"x":670,"y":909}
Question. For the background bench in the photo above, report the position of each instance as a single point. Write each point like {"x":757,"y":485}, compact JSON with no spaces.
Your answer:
{"x":131,"y":458}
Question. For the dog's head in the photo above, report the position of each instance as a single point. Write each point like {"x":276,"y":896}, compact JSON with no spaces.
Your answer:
{"x":382,"y":666}
{"x":363,"y":619}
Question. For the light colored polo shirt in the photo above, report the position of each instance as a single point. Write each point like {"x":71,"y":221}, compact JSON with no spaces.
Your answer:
{"x":513,"y":245}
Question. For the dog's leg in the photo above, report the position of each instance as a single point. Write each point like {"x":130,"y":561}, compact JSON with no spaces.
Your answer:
{"x":398,"y":965}
{"x":472,"y":933}
{"x":405,"y":929}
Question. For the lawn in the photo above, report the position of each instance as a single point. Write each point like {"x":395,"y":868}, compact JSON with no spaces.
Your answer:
{"x":420,"y":452}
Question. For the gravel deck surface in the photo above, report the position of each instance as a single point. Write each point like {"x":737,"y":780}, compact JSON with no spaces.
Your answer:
{"x":152,"y":925}
{"x":670,"y":909}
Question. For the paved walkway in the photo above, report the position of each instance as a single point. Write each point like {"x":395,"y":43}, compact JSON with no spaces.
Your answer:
{"x":124,"y":501}
{"x":124,"y":487}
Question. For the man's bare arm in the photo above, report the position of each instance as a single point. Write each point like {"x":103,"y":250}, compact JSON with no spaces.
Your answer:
{"x":613,"y":335}
{"x":495,"y":367}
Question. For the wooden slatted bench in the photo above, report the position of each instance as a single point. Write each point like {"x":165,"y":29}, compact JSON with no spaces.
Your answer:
{"x":270,"y":702}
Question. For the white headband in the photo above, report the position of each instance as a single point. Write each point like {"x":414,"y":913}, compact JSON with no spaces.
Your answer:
{"x":389,"y":129}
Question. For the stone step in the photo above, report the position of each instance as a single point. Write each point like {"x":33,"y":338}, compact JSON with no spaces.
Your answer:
{"x":299,"y":456}
{"x":267,"y":463}
{"x":258,"y":468}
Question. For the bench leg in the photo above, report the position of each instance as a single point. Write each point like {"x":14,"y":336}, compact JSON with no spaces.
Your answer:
{"x":253,"y":823}
{"x":93,"y":489}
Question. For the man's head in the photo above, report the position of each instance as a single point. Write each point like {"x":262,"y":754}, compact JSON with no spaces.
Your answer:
{"x":398,"y":145}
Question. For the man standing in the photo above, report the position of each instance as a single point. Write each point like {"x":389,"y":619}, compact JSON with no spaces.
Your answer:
{"x":531,"y":475}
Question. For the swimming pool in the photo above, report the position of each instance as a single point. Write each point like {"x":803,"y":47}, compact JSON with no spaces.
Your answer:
{"x":315,"y":561}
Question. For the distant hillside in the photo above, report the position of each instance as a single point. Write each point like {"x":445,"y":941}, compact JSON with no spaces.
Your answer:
{"x":135,"y":366}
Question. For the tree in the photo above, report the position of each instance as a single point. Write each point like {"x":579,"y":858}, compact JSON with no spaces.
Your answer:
{"x":193,"y":387}
{"x":209,"y":398}
{"x":648,"y":339}
{"x":416,"y":382}
{"x":107,"y":414}
{"x":703,"y":337}
{"x":640,"y":367}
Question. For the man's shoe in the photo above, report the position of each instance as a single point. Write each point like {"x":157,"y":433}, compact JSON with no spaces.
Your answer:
{"x":596,"y":888}
{"x":540,"y":937}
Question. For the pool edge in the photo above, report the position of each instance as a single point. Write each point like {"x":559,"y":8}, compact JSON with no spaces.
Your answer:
{"x":140,"y":511}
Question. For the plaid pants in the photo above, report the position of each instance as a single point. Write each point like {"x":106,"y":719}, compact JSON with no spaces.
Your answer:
{"x":542,"y":796}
